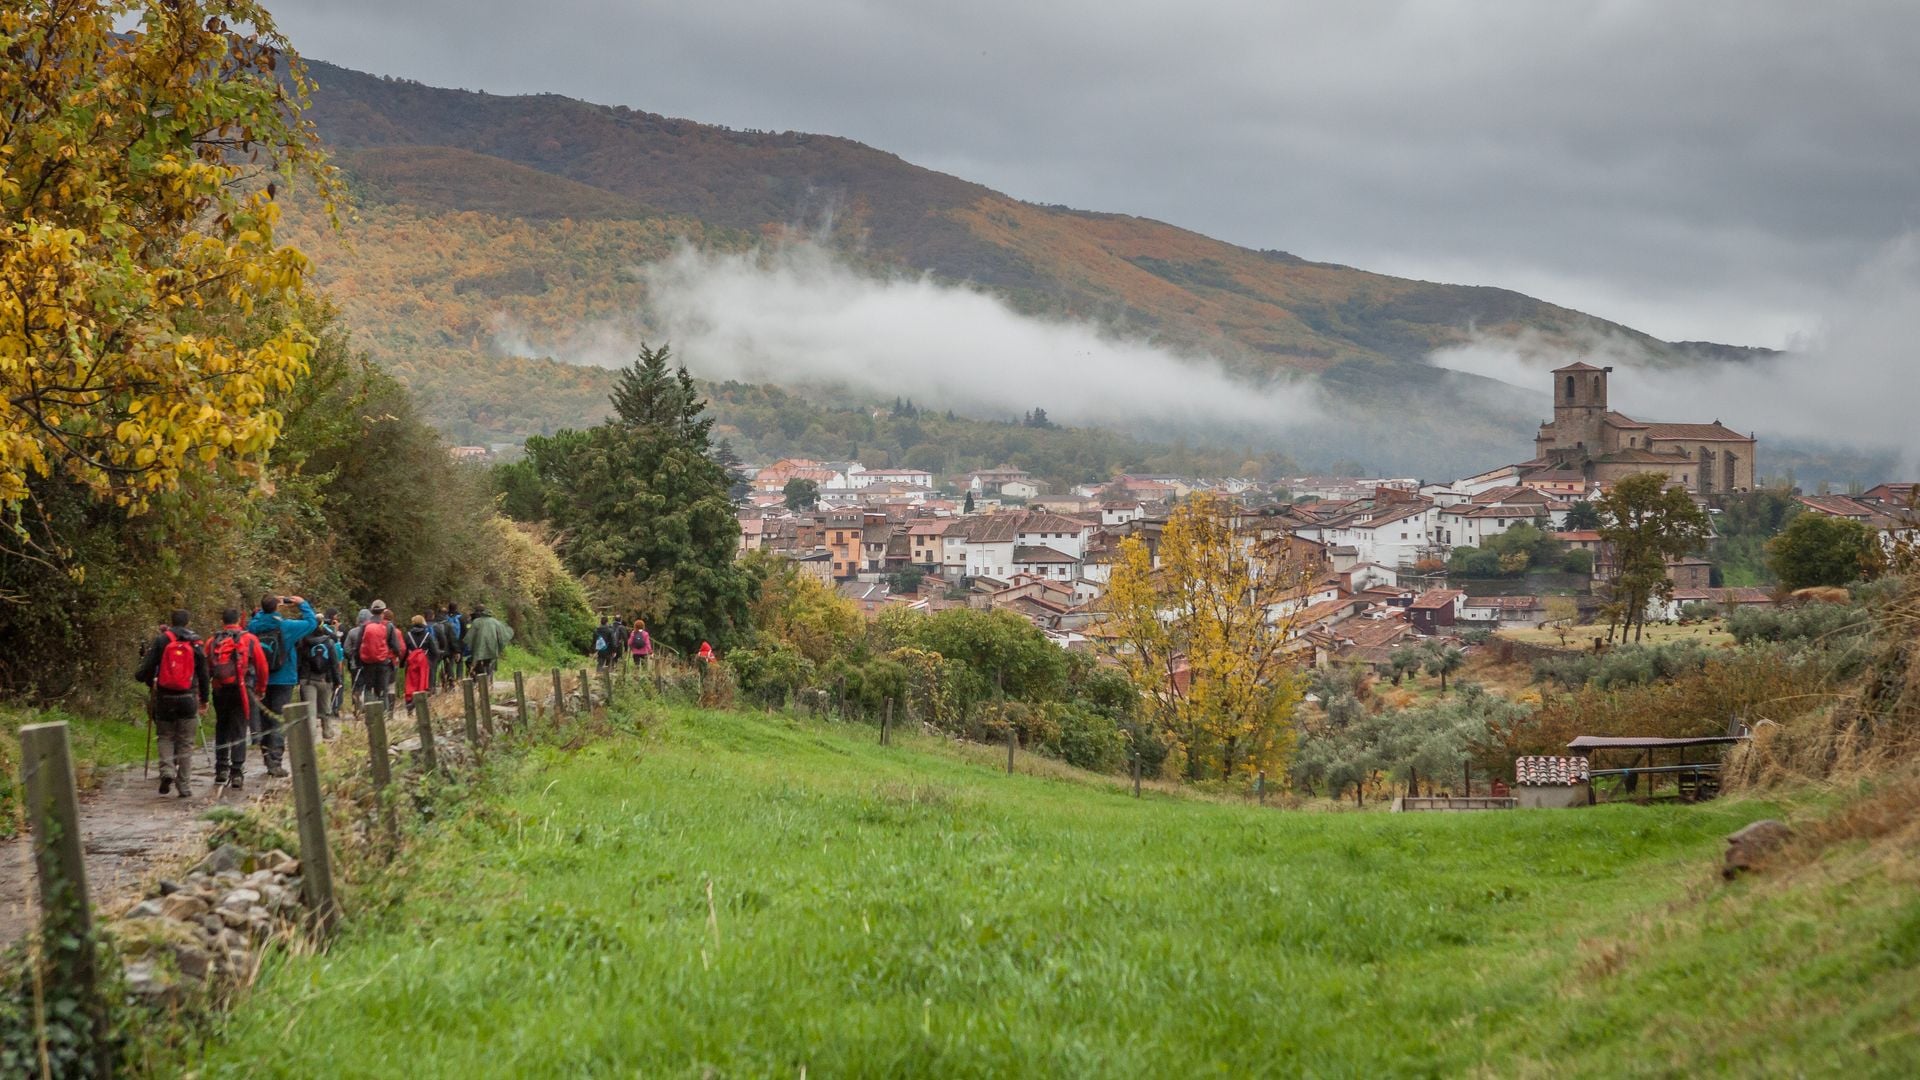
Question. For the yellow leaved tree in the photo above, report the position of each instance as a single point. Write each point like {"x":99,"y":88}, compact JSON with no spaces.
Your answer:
{"x":142,"y":145}
{"x":1207,"y":635}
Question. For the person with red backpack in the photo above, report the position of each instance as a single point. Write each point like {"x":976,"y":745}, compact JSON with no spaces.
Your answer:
{"x":175,"y":668}
{"x":237,"y":668}
{"x":423,"y":653}
{"x":378,"y":648}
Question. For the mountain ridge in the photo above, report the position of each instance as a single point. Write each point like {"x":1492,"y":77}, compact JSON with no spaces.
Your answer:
{"x":530,"y":197}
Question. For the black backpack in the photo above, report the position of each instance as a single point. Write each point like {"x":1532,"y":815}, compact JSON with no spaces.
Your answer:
{"x":316,"y":658}
{"x":274,"y":644}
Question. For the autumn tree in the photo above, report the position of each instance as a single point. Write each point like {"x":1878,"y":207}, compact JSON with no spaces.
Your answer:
{"x":1204,"y":636}
{"x":142,"y":149}
{"x":1645,"y":523}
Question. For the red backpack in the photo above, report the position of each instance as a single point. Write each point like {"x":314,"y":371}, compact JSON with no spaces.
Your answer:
{"x":375,"y":644}
{"x":227,"y":657}
{"x":175,"y":675}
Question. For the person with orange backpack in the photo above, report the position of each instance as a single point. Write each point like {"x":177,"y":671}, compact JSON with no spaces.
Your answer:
{"x":175,"y":669}
{"x":237,"y":668}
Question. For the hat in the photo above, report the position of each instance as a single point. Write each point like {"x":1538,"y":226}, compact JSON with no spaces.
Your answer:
{"x":419,"y":620}
{"x":377,"y":606}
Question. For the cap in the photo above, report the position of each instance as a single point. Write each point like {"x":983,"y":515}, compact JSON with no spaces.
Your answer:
{"x":377,"y":606}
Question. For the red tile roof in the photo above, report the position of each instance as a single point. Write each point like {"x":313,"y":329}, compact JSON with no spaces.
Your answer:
{"x":1437,"y":598}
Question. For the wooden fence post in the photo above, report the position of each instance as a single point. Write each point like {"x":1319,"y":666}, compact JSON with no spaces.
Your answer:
{"x":377,"y":751}
{"x":886,"y":724}
{"x":586,"y":690}
{"x":1260,"y":787}
{"x":484,"y":685}
{"x":606,"y":685}
{"x":53,"y":812}
{"x":1013,"y":740}
{"x":316,"y":863}
{"x":520,"y":697}
{"x":559,"y":697}
{"x":472,"y":716}
{"x":1136,"y":774}
{"x":423,"y":717}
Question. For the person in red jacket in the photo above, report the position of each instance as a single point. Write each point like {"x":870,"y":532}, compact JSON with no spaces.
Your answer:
{"x":238,"y":670}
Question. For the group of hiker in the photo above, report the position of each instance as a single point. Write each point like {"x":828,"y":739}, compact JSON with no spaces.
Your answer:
{"x":250,"y":671}
{"x":615,"y":641}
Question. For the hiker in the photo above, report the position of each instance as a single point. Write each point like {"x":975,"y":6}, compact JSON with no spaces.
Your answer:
{"x":446,"y":633}
{"x":640,"y":644}
{"x":423,"y":656}
{"x":455,"y":657}
{"x":237,"y":666}
{"x":605,"y":645}
{"x":380,"y":648}
{"x":350,"y":649}
{"x":175,"y":672}
{"x":705,"y":655}
{"x":320,"y":672}
{"x":280,"y":637}
{"x":486,"y":638}
{"x":617,"y":642}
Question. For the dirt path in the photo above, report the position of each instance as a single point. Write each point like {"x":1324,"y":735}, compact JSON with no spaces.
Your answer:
{"x":131,"y":832}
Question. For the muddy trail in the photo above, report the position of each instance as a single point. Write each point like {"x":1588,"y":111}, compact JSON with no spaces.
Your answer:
{"x":132,"y":834}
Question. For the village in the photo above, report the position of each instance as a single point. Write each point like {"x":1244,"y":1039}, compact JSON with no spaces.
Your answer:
{"x":1388,"y":550}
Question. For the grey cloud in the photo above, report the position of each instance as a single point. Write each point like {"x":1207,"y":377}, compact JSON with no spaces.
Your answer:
{"x":1697,"y":170}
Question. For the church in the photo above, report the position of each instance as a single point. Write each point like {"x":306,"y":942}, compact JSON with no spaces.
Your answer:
{"x":1587,"y":437}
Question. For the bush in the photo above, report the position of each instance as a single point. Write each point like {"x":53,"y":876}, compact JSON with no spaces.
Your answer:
{"x":1089,"y":739}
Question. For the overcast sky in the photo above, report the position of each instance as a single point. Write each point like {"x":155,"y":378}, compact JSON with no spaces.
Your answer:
{"x":1698,"y":170}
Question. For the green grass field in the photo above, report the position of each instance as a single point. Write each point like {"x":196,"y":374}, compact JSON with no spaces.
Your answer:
{"x":741,"y":896}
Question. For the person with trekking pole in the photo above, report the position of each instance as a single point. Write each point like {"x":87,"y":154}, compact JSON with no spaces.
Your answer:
{"x":280,"y":637}
{"x":238,"y":669}
{"x":175,"y":672}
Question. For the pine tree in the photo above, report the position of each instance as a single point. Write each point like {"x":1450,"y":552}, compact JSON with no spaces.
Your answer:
{"x":643,"y":494}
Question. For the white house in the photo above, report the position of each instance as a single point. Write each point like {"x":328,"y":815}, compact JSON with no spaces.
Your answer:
{"x":919,"y":478}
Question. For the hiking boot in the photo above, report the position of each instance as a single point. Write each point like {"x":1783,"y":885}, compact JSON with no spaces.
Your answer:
{"x":277,"y":770}
{"x":166,"y":784}
{"x":238,"y":782}
{"x":185,"y":792}
{"x":220,"y":778}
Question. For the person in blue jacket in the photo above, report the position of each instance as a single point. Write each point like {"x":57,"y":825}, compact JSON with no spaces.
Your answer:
{"x":280,"y":635}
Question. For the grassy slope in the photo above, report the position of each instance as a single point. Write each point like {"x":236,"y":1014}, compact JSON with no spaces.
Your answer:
{"x":910,"y":912}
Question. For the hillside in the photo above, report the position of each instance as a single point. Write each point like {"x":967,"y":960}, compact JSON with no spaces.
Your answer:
{"x":495,"y":226}
{"x":727,"y":894}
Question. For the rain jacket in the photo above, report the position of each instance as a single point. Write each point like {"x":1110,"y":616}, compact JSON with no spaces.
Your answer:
{"x":487,"y":638}
{"x":292,"y":632}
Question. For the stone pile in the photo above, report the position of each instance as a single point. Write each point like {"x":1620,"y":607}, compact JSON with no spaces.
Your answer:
{"x":206,"y":930}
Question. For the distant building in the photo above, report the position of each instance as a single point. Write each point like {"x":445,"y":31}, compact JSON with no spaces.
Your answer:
{"x":1603,"y":446}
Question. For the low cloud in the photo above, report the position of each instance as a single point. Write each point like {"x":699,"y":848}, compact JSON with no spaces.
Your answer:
{"x":1849,"y":383}
{"x":797,"y":315}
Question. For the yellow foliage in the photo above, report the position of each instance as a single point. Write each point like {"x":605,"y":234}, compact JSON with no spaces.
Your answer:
{"x":137,"y":235}
{"x":1204,"y":636}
